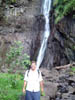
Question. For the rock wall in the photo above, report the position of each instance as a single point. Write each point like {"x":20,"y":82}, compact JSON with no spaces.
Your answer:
{"x":19,"y":23}
{"x":61,"y":43}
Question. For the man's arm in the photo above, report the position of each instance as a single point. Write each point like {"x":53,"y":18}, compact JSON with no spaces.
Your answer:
{"x":25,"y":81}
{"x":24,"y":87}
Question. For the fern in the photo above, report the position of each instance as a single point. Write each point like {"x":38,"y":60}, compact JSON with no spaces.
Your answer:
{"x":63,"y":8}
{"x":69,"y":7}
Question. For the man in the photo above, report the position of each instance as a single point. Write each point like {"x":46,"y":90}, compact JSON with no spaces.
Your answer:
{"x":33,"y":82}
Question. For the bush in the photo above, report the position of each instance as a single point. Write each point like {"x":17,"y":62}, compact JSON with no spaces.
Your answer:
{"x":73,"y":69}
{"x":63,"y":8}
{"x":15,"y":56}
{"x":10,"y":1}
{"x":10,"y":86}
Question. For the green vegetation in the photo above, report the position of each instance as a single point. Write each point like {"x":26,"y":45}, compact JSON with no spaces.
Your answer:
{"x":10,"y":86}
{"x":3,"y":5}
{"x":10,"y":1}
{"x":63,"y":8}
{"x":43,"y":94}
{"x":7,"y":2}
{"x":15,"y":56}
{"x":73,"y":69}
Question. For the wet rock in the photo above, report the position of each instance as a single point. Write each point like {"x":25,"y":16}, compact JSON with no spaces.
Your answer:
{"x":62,"y":79}
{"x":58,"y":95}
{"x":63,"y":88}
{"x":72,"y":83}
{"x":71,"y":80}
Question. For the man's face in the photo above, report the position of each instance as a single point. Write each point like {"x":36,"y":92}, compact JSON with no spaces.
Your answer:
{"x":33,"y":66}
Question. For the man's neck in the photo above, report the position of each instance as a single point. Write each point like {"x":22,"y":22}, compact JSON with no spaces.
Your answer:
{"x":33,"y":70}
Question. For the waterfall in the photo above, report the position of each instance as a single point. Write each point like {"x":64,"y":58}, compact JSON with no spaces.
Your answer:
{"x":46,"y":10}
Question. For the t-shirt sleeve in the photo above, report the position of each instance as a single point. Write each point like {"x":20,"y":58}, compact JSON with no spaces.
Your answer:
{"x":40,"y":78}
{"x":25,"y":76}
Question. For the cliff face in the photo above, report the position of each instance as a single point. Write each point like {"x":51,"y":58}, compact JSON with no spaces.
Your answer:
{"x":18,"y":23}
{"x":67,"y":30}
{"x":61,"y":43}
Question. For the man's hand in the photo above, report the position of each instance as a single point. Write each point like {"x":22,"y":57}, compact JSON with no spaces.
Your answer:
{"x":42,"y":88}
{"x":23,"y":90}
{"x":42,"y":92}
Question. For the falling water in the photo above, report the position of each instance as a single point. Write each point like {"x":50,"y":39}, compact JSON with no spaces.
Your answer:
{"x":46,"y":10}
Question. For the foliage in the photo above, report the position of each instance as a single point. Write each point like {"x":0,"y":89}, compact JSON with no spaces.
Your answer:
{"x":15,"y":56}
{"x":10,"y":1}
{"x":63,"y":8}
{"x":3,"y":5}
{"x":10,"y":86}
{"x":43,"y":94}
{"x":7,"y":2}
{"x":55,"y":2}
{"x":73,"y":69}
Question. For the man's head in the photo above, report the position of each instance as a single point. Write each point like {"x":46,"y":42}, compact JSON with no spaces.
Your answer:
{"x":33,"y":65}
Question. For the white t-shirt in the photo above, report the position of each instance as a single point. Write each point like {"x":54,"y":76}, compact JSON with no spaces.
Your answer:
{"x":33,"y":80}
